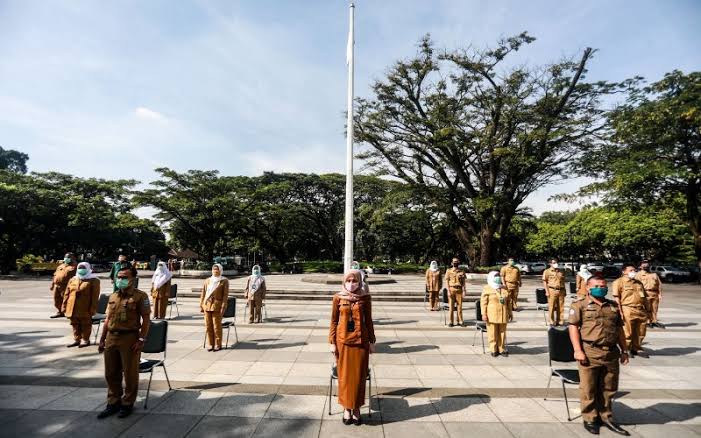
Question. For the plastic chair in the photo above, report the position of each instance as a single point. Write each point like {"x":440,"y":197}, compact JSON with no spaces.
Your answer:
{"x":542,"y":303}
{"x":156,"y":342}
{"x":560,"y":349}
{"x":230,"y":312}
{"x":263,"y":308}
{"x":480,"y":326}
{"x":101,"y":312}
{"x":426,"y":298}
{"x":173,"y":300}
{"x":444,"y":305}
{"x":334,"y":376}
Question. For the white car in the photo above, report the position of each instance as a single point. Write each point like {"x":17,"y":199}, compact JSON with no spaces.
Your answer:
{"x":595,"y":267}
{"x":671,"y":273}
{"x":538,"y":267}
{"x":524,"y":268}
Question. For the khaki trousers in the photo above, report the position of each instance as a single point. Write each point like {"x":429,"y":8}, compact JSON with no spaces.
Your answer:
{"x":212,"y":323}
{"x":255,"y":306}
{"x":513,"y":293}
{"x":455,"y":297}
{"x":598,"y":382}
{"x":433,"y":299}
{"x":160,"y":304}
{"x":121,"y":362}
{"x":497,"y":337}
{"x":58,"y":297}
{"x":634,"y":326}
{"x":654,"y":300}
{"x":556,"y":306}
{"x":81,"y":328}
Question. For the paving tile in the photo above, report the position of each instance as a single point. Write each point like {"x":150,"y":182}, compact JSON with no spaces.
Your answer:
{"x":464,"y":409}
{"x":297,"y":407}
{"x":224,"y":427}
{"x":491,"y":430}
{"x":188,"y":402}
{"x":242,"y":405}
{"x":336,"y":429}
{"x":29,"y":396}
{"x":537,"y":430}
{"x":274,"y":427}
{"x":415,"y":429}
{"x":88,"y":425}
{"x":520,"y":410}
{"x":270,"y":369}
{"x":39,"y":423}
{"x":82,"y":399}
{"x":163,"y":426}
{"x":408,"y":409}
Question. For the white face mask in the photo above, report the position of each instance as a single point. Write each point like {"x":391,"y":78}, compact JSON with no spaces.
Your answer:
{"x":555,"y":265}
{"x":632,"y":274}
{"x":351,"y":287}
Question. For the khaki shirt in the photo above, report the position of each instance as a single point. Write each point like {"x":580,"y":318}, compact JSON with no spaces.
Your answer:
{"x":650,"y":280}
{"x":218,"y":300}
{"x":80,"y":299}
{"x":581,"y":286}
{"x":63,"y":275}
{"x":511,"y":276}
{"x":630,"y":291}
{"x":496,"y":305}
{"x":361,"y":330}
{"x":434,"y":280}
{"x":598,"y":324}
{"x":455,"y":277}
{"x":125,"y":311}
{"x":555,"y":279}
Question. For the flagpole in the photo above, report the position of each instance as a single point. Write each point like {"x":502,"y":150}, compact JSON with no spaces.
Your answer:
{"x":348,"y":252}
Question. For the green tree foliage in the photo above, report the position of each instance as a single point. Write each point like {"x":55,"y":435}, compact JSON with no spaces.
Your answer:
{"x":475,"y":137}
{"x":13,"y":161}
{"x":654,"y":156}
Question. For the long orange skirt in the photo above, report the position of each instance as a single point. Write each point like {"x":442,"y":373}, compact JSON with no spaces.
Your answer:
{"x":352,"y":374}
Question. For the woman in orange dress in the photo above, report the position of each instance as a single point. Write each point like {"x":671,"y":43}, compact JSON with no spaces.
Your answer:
{"x":352,"y":339}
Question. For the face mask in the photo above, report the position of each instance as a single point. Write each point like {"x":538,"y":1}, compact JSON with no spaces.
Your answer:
{"x":632,"y":274}
{"x":351,"y":287}
{"x":455,"y":265}
{"x":511,"y":262}
{"x":122,"y":283}
{"x":599,"y":292}
{"x":555,"y":265}
{"x":645,"y":267}
{"x":497,"y":280}
{"x":82,"y":271}
{"x":67,"y":261}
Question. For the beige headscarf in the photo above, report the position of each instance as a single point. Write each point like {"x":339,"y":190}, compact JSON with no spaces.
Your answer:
{"x":255,"y":280}
{"x":214,"y":282}
{"x":361,"y":291}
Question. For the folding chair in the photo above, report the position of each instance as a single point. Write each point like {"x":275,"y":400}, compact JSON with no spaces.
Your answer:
{"x":542,"y":303}
{"x":444,"y":305}
{"x":101,"y":313}
{"x":560,"y":349}
{"x":173,"y":300}
{"x":334,"y":376}
{"x":263,"y":307}
{"x":480,"y":326}
{"x":425,"y":297}
{"x":230,"y":312}
{"x":156,"y":342}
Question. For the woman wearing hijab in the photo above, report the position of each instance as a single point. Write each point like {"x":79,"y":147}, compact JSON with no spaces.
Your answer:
{"x":255,"y":294}
{"x":434,"y":281}
{"x":160,"y":290}
{"x":496,"y":312}
{"x":213,"y":300}
{"x":352,"y":339}
{"x":80,"y":303}
{"x":582,"y":277}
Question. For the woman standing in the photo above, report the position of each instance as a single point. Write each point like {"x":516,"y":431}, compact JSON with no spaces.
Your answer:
{"x":434,"y":281}
{"x":80,"y":303}
{"x":352,"y":339}
{"x":496,"y":312}
{"x":160,"y":290}
{"x":255,"y":294}
{"x":213,"y":300}
{"x":582,"y":277}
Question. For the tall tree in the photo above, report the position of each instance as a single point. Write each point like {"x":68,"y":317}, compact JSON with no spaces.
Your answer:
{"x":476,"y":137}
{"x":654,"y":157}
{"x":12,"y":160}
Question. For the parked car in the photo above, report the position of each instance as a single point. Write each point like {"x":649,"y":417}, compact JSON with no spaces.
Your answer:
{"x":524,"y":268}
{"x":671,"y":273}
{"x":538,"y":267}
{"x":595,"y":267}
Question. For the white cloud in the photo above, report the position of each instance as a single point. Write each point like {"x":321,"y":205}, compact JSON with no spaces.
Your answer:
{"x":149,"y":114}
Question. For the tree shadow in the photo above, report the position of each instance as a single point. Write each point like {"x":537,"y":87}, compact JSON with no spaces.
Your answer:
{"x":677,"y":324}
{"x":387,"y":347}
{"x":659,"y":413}
{"x":397,"y":409}
{"x":672,"y":351}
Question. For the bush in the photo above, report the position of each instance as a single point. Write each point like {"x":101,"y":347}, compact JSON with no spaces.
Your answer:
{"x":25,"y":263}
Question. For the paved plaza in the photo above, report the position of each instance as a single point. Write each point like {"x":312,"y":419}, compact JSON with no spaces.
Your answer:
{"x":427,"y":378}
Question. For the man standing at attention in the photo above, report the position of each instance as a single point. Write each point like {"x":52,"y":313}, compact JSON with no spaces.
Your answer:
{"x":62,"y":276}
{"x":554,"y":283}
{"x":653,"y":289}
{"x":455,"y":278}
{"x":511,"y":277}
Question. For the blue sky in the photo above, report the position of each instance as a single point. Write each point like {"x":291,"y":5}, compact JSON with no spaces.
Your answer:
{"x":115,"y":89}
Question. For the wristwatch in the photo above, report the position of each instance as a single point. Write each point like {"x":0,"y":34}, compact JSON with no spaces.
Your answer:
{"x":141,"y":339}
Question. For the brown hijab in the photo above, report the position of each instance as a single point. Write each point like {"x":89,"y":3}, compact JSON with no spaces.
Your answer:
{"x":362,"y":290}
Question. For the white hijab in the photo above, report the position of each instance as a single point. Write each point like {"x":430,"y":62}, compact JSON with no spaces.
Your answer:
{"x":584,"y":272}
{"x":161,"y":275}
{"x":255,"y":280}
{"x":214,"y":282}
{"x":87,"y":276}
{"x":491,"y":282}
{"x":434,"y":266}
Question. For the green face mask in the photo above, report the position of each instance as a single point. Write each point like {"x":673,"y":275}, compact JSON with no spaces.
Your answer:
{"x":67,"y":261}
{"x":82,"y":271}
{"x":599,"y":292}
{"x":511,"y":262}
{"x":122,"y":283}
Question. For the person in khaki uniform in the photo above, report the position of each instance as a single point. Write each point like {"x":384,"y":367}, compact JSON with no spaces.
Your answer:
{"x":127,"y":325}
{"x":599,"y":343}
{"x":511,"y":277}
{"x":581,"y":279}
{"x":554,"y":282}
{"x":213,"y":302}
{"x":80,"y":303}
{"x":653,"y":289}
{"x":455,"y":278}
{"x":434,"y":281}
{"x":255,"y":293}
{"x":631,"y":299}
{"x":160,"y":290}
{"x":495,"y":304}
{"x":63,"y":274}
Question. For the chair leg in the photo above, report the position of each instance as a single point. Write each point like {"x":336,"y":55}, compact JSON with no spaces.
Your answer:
{"x":545,"y":320}
{"x":330,"y":389}
{"x":474,"y":337}
{"x":547,"y":389}
{"x":567,"y":405}
{"x":482,"y":336}
{"x":204,"y":341}
{"x":177,"y":309}
{"x":167,"y":379}
{"x":170,"y":315}
{"x":228,"y":330}
{"x":236,"y":332}
{"x":148,"y":389}
{"x":370,"y":395}
{"x":97,"y":332}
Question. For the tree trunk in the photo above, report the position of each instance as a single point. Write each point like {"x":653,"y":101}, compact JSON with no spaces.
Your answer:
{"x":487,"y":246}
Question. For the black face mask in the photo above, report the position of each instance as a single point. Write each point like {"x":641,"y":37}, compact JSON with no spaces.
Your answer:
{"x":455,"y":265}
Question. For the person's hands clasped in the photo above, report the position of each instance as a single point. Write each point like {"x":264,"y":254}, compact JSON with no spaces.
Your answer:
{"x":485,"y":318}
{"x":101,"y":346}
{"x":333,"y":349}
{"x":137,"y":346}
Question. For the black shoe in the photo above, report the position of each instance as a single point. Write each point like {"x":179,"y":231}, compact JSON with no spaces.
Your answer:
{"x":358,"y":421}
{"x":210,"y":349}
{"x":505,"y":353}
{"x":347,"y":421}
{"x":109,"y":410}
{"x":592,"y":427}
{"x":74,"y":344}
{"x":451,"y":325}
{"x":616,"y":428}
{"x":125,"y":411}
{"x":58,"y":315}
{"x":495,"y":354}
{"x":84,"y":344}
{"x":633,"y":353}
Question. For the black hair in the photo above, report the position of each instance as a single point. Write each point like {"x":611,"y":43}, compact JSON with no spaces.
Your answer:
{"x":130,"y":269}
{"x":595,"y":277}
{"x":555,"y":259}
{"x":627,"y":264}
